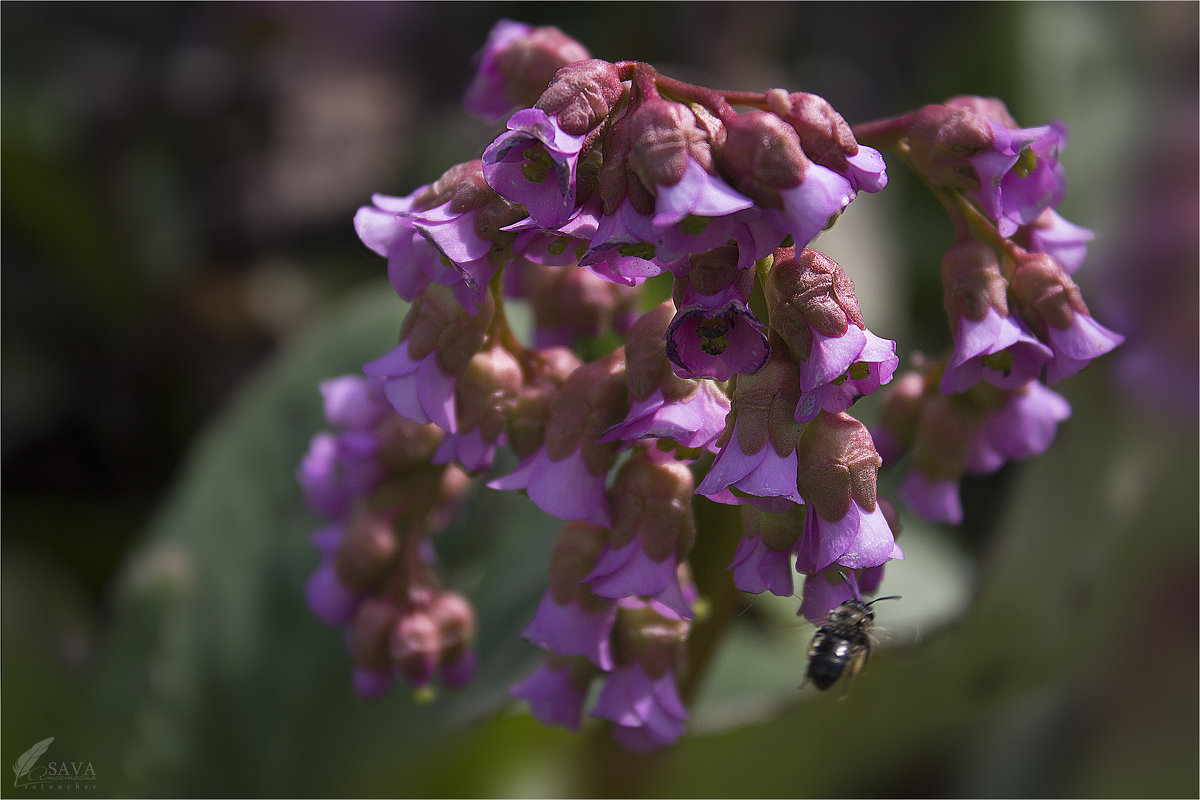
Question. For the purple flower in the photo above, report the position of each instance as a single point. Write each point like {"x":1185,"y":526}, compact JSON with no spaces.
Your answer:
{"x":1020,"y":175}
{"x":328,"y":598}
{"x":534,"y":164}
{"x":470,"y":449}
{"x":629,"y":571}
{"x":697,"y":194}
{"x":417,"y":389}
{"x":811,"y":206}
{"x":859,"y":540}
{"x":693,"y":421}
{"x":564,"y":489}
{"x":757,"y":568}
{"x":572,"y":629}
{"x":1075,"y":346}
{"x":1064,"y":241}
{"x":338,"y":469}
{"x":866,"y":170}
{"x":763,"y":473}
{"x":996,"y":348}
{"x":933,"y":500}
{"x":840,"y":370}
{"x":515,"y":65}
{"x":350,"y":405}
{"x":385,"y":228}
{"x":553,"y":696}
{"x":717,"y":342}
{"x":646,"y":711}
{"x":1022,"y":428}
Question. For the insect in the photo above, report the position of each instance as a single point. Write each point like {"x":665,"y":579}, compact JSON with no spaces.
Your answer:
{"x":713,"y":339}
{"x":842,"y":643}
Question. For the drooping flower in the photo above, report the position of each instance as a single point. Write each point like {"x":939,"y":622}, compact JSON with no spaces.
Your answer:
{"x":557,"y":690}
{"x":763,"y":558}
{"x":1062,"y":240}
{"x":815,"y":313}
{"x":1023,"y":427}
{"x":836,"y":475}
{"x":759,"y":457}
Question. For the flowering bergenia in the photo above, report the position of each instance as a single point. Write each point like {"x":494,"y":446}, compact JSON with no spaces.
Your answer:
{"x":681,"y":350}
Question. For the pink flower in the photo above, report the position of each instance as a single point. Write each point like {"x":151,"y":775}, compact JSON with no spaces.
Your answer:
{"x":646,"y":711}
{"x":996,"y":348}
{"x":565,"y":489}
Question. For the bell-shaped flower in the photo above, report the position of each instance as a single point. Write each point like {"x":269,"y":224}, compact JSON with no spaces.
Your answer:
{"x":566,"y":476}
{"x":1024,"y":426}
{"x":1053,"y":305}
{"x":836,"y":475}
{"x":438,"y":340}
{"x":714,"y":334}
{"x":814,"y":311}
{"x":640,"y":696}
{"x":763,"y":561}
{"x":758,"y":459}
{"x":557,"y":690}
{"x":664,"y":406}
{"x":653,"y":531}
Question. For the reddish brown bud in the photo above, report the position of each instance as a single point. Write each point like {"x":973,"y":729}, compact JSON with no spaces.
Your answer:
{"x":646,"y":365}
{"x":972,"y":282}
{"x":644,"y":636}
{"x":572,"y":559}
{"x":654,"y":502}
{"x":527,"y":427}
{"x":593,"y":399}
{"x":582,"y":94}
{"x":941,"y":137}
{"x":486,"y":392}
{"x":368,"y":551}
{"x":837,"y":463}
{"x":762,"y":154}
{"x":824,"y":134}
{"x":778,"y":531}
{"x":663,"y":135}
{"x":806,"y":291}
{"x":528,"y":63}
{"x":990,"y":108}
{"x":764,"y":406}
{"x":1046,"y":293}
{"x":404,"y":444}
{"x":943,"y":438}
{"x":415,"y":646}
{"x":436,"y":322}
{"x":369,"y":633}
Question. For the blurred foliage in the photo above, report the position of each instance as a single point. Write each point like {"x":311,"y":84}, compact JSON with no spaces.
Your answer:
{"x":180,"y":270}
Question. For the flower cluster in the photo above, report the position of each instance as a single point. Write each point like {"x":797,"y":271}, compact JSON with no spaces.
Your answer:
{"x":737,"y":390}
{"x":1017,"y":318}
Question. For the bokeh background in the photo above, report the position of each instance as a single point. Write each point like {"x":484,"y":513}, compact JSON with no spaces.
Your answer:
{"x":179,"y":269}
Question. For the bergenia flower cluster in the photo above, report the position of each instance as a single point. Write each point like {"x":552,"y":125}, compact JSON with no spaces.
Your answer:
{"x":610,"y":184}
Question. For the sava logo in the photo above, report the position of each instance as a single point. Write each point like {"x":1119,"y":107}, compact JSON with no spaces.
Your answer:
{"x":31,"y":772}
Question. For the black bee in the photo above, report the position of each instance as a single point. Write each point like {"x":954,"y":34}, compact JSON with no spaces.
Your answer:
{"x":844,"y":641}
{"x":713,"y":339}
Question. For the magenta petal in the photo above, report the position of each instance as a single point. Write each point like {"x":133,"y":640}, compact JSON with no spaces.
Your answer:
{"x":936,"y":501}
{"x":328,"y":599}
{"x":867,"y":170}
{"x":473,"y":452}
{"x":831,"y":357}
{"x":873,"y":543}
{"x":822,"y":595}
{"x":370,"y":685}
{"x":563,"y":489}
{"x":378,"y":228}
{"x":697,"y":193}
{"x":435,"y":389}
{"x":809,"y":207}
{"x":757,"y":568}
{"x":571,"y":631}
{"x":552,"y":698}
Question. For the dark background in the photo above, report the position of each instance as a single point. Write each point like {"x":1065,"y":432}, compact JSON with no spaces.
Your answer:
{"x":178,"y":187}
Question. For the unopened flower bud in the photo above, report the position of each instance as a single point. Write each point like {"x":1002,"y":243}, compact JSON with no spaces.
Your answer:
{"x":367,"y":552}
{"x":942,"y":138}
{"x":762,"y":154}
{"x":972,"y":281}
{"x":991,"y":108}
{"x":824,"y":134}
{"x":572,"y":558}
{"x":899,"y":413}
{"x":516,"y":64}
{"x":404,"y":444}
{"x":663,"y":137}
{"x":593,"y":399}
{"x":415,"y":646}
{"x":438,"y":324}
{"x":527,"y":428}
{"x":582,"y":94}
{"x":653,"y":502}
{"x":647,"y":637}
{"x":487,"y":391}
{"x":369,"y":634}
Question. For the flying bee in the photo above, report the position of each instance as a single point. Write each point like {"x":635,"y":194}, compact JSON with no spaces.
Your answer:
{"x":842,"y":642}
